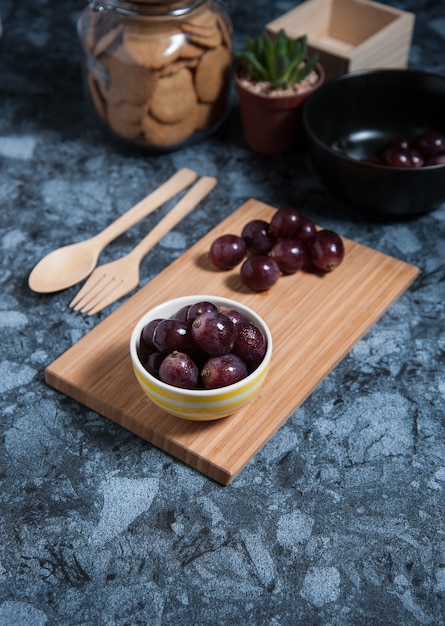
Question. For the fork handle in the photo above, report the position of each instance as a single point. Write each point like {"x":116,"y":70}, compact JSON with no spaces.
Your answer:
{"x":179,"y":181}
{"x":188,"y":202}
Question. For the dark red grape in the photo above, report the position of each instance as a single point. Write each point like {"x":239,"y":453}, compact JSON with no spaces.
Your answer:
{"x":429,"y":143}
{"x":232,"y":314}
{"x":326,"y":250}
{"x":152,"y":363}
{"x":401,"y":158}
{"x":214,"y":333}
{"x":227,"y":251}
{"x":182,"y":313}
{"x":285,"y":222}
{"x":198,"y":308}
{"x":172,"y":334}
{"x":395,"y":158}
{"x":437,"y":159}
{"x":307,"y":229}
{"x":257,"y":237}
{"x":290,"y":255}
{"x":400,"y":143}
{"x":179,"y":369}
{"x":250,"y":344}
{"x":146,"y":344}
{"x":417,"y":152}
{"x":259,"y":272}
{"x":223,"y":370}
{"x":417,"y":159}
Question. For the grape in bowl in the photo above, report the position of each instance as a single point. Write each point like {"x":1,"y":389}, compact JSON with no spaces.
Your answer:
{"x":352,"y":119}
{"x":199,"y":403}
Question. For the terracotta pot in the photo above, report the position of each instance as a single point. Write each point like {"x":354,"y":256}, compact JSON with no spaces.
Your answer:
{"x":272,"y":124}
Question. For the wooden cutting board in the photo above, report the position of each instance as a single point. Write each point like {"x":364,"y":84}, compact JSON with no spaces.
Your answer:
{"x":314,"y":323}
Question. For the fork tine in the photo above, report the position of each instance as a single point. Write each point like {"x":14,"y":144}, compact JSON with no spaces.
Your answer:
{"x":121,"y":288}
{"x":107,"y":295}
{"x":99,"y":295}
{"x":88,"y":289}
{"x":107,"y":283}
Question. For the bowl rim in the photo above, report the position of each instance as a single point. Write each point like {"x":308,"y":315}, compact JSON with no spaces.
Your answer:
{"x":384,"y":70}
{"x":207,"y":394}
{"x":343,"y":78}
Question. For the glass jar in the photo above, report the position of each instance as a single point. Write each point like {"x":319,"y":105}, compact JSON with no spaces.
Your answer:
{"x":157,"y":73}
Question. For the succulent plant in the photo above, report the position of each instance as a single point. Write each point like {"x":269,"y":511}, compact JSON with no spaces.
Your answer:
{"x":281,"y":61}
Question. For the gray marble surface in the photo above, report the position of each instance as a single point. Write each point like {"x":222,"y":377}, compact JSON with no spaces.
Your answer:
{"x":339,"y":520}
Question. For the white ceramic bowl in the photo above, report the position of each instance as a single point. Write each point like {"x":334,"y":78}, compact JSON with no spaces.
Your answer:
{"x":199,"y":404}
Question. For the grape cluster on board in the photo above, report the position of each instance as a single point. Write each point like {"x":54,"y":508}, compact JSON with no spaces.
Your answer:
{"x":202,"y":346}
{"x":427,"y":148}
{"x":288,"y":243}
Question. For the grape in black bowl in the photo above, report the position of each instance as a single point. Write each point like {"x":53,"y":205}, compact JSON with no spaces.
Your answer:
{"x":351,"y":119}
{"x":430,"y":143}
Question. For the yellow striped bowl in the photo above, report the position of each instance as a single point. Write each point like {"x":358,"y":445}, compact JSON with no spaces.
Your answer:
{"x":199,"y":404}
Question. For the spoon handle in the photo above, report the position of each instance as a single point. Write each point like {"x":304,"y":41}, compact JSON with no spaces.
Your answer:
{"x":166,"y":191}
{"x":177,"y":213}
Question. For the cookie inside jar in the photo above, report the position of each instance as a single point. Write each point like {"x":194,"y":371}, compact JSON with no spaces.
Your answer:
{"x":157,"y":73}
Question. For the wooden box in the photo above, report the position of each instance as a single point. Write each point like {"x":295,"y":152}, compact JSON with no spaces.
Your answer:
{"x":350,"y":35}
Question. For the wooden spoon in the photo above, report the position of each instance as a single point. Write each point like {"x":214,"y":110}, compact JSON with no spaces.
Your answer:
{"x":70,"y":264}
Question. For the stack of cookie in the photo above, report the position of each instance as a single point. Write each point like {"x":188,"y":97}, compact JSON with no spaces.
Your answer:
{"x":157,"y":81}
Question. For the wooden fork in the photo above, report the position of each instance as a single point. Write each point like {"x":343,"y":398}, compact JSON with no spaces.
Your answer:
{"x":111,"y":281}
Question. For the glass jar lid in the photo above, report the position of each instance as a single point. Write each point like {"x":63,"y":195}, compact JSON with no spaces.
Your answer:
{"x":148,"y":7}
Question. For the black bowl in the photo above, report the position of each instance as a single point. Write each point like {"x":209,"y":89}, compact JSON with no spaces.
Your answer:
{"x":354,"y":116}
